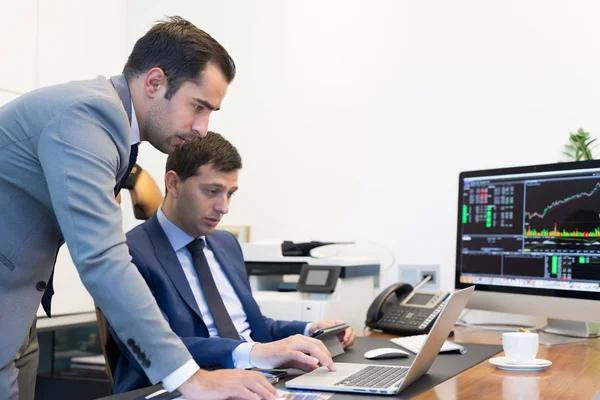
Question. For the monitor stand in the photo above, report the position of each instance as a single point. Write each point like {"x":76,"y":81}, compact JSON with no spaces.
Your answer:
{"x":551,"y":339}
{"x":557,"y":331}
{"x":560,"y":331}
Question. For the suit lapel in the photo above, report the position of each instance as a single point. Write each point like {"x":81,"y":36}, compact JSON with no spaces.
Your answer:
{"x":122,"y":88}
{"x":168,"y":259}
{"x":119,"y":83}
{"x":255,"y":318}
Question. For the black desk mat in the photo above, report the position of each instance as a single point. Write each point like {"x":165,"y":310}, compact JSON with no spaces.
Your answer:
{"x":444,"y":367}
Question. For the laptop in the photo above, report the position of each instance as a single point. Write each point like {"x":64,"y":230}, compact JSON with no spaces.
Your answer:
{"x":386,"y":379}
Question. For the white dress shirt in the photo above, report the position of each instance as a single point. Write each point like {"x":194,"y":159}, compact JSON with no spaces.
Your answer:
{"x":135,"y":128}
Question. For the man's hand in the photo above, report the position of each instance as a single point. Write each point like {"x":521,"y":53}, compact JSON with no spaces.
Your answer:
{"x":227,"y":384}
{"x":346,"y":337}
{"x":296,"y":351}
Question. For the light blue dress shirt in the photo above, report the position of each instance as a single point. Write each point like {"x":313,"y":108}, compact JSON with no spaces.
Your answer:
{"x":179,"y":240}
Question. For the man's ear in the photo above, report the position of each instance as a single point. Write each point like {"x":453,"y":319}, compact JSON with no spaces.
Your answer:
{"x":155,"y":83}
{"x":172,"y":184}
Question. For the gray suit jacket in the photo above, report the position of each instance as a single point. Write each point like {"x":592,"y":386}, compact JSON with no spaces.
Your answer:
{"x":62,"y":151}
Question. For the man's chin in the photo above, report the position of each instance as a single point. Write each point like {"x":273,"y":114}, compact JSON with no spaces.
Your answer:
{"x":208,"y":231}
{"x":163,"y":147}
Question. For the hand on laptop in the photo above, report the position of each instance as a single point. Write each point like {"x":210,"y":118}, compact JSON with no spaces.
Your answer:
{"x":227,"y":384}
{"x":296,"y":351}
{"x":346,"y":337}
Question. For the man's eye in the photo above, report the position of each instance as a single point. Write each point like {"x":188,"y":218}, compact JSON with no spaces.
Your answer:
{"x":198,"y":107}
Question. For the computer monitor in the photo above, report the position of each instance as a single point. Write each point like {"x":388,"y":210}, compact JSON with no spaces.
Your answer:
{"x":529,"y":239}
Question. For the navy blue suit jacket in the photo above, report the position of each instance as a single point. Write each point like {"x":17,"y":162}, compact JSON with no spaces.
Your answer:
{"x":157,"y":262}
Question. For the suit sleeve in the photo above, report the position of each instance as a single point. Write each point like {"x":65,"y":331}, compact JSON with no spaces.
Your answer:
{"x":282,"y":329}
{"x":78,"y":152}
{"x":209,"y":353}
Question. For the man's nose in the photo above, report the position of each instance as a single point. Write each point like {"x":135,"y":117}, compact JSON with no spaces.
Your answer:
{"x":222,"y":206}
{"x":200,"y":125}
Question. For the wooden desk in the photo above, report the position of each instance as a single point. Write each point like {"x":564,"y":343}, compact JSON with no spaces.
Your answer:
{"x":574,"y":373}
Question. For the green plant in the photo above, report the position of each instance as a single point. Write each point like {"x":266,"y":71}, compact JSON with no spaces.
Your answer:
{"x":580,"y":146}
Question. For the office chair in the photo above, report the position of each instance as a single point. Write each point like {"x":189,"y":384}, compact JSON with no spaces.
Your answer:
{"x":145,"y":194}
{"x":145,"y":198}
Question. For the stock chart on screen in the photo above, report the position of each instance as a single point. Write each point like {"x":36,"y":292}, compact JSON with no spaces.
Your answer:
{"x":531,"y":229}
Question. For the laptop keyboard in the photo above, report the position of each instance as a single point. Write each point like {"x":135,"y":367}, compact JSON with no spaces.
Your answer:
{"x":374,"y":377}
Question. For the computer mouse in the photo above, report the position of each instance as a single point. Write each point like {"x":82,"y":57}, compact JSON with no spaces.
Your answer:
{"x":379,"y":354}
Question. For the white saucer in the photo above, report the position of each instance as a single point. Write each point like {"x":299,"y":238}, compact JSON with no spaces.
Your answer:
{"x":536,"y":365}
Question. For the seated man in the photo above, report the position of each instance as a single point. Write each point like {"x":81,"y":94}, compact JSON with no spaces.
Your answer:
{"x":198,"y":276}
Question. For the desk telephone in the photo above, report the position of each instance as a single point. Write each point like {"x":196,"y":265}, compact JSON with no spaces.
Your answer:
{"x":402,"y":310}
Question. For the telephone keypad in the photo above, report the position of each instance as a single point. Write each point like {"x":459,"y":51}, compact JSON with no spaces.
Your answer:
{"x":402,"y":314}
{"x":407,"y":316}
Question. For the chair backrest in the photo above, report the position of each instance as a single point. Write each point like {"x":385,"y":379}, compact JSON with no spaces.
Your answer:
{"x":145,"y":194}
{"x":109,"y":346}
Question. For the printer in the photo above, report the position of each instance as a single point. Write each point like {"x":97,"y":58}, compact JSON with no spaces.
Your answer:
{"x":307,"y":288}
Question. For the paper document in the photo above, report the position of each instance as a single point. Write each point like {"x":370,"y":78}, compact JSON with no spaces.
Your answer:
{"x":290,"y":395}
{"x":281,"y":395}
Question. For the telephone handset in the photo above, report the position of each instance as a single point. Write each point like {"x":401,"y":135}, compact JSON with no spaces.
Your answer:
{"x":402,"y":310}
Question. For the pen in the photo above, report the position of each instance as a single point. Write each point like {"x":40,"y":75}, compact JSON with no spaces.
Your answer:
{"x":161,"y":394}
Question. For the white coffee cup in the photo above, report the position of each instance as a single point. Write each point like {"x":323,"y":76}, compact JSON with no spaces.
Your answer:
{"x":520,"y":347}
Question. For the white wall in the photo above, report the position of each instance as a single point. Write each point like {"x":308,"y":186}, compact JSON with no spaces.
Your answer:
{"x":354,"y":118}
{"x":6,"y":96}
{"x":18,"y":35}
{"x":18,"y":47}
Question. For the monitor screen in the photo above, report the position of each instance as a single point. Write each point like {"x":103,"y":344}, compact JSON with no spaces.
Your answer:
{"x":531,"y":230}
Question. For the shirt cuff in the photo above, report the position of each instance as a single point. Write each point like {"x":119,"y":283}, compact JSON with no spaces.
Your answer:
{"x":180,"y":375}
{"x":241,"y":355}
{"x":307,"y":328}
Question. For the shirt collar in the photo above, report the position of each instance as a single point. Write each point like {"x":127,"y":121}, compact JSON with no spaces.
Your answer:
{"x":135,"y":128}
{"x":178,"y":238}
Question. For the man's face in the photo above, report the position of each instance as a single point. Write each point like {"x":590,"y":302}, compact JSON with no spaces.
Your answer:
{"x":201,"y":200}
{"x":170,"y":122}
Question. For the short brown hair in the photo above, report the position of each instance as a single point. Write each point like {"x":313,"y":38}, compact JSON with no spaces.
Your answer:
{"x":213,"y":149}
{"x":181,"y":50}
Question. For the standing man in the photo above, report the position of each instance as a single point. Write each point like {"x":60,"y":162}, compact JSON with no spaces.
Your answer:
{"x":65,"y":151}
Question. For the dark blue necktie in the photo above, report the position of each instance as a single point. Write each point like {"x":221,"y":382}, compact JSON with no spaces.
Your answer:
{"x":49,"y":291}
{"x":132,"y":159}
{"x":223,"y":321}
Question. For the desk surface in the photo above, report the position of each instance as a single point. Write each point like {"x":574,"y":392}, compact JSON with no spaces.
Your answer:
{"x":574,"y":374}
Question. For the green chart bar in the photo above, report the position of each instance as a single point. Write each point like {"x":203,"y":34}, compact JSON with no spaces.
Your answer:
{"x":488,"y":217}
{"x":581,"y":260}
{"x":465,"y":214}
{"x":554,"y":269}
